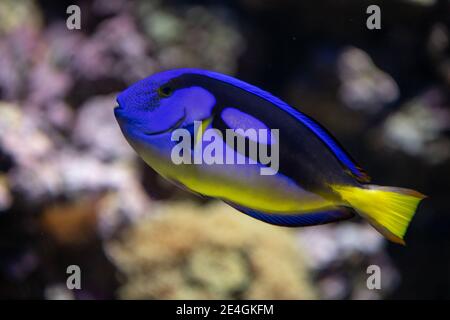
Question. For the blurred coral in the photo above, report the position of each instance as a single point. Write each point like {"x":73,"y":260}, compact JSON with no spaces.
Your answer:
{"x":5,"y":194}
{"x":190,"y":252}
{"x":364,"y":86}
{"x":16,"y":14}
{"x":419,"y":128}
{"x":182,"y":34}
{"x":71,"y":223}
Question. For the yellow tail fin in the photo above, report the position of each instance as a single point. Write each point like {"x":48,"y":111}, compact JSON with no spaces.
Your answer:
{"x":389,"y":210}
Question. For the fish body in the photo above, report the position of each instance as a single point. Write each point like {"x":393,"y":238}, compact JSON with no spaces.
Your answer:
{"x":314,"y":180}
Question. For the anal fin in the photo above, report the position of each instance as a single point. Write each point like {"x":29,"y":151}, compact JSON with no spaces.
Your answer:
{"x":298,"y":219}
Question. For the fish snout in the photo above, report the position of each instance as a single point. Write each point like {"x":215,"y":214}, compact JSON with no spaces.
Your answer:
{"x":119,"y":109}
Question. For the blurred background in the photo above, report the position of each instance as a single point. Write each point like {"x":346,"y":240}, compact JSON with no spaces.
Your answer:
{"x":72,"y":192}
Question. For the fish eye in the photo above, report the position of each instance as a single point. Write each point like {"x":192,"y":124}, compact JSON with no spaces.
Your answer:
{"x":165,"y":91}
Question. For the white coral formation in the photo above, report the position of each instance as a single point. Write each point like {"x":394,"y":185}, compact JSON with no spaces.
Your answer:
{"x":190,"y":252}
{"x":363,"y":85}
{"x":418,"y":128}
{"x":45,"y":166}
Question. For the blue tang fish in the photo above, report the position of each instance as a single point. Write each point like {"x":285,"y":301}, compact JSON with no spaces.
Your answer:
{"x":314,"y":181}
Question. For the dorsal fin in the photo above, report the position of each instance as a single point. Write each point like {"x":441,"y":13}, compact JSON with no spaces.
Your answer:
{"x":344,"y":158}
{"x":331,"y":142}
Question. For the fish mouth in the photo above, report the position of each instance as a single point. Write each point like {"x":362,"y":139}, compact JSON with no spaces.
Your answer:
{"x":118,"y":109}
{"x":118,"y":112}
{"x":176,"y":125}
